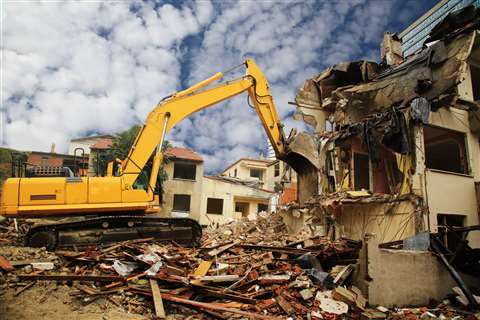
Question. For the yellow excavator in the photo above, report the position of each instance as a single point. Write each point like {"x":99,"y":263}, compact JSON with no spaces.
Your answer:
{"x":117,"y":207}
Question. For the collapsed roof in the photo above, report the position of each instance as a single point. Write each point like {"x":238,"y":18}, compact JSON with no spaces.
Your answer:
{"x":347,"y":92}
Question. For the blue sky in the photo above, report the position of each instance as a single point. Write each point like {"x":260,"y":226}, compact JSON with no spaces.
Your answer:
{"x":76,"y":68}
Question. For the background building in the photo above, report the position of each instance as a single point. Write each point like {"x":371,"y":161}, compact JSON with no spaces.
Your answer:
{"x":413,"y":36}
{"x":188,"y":193}
{"x":91,"y":147}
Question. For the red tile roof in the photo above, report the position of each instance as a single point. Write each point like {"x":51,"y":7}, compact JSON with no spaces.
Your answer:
{"x":183,"y":153}
{"x":104,"y":143}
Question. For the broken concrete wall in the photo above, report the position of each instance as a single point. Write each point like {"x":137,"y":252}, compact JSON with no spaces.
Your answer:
{"x":387,"y":221}
{"x":402,"y":278}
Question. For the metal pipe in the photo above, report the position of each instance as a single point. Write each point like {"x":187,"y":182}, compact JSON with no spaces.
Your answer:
{"x":454,"y":273}
{"x":199,"y":85}
{"x":156,"y":159}
{"x":164,"y":132}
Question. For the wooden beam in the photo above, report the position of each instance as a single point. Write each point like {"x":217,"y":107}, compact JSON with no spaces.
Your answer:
{"x":68,"y":277}
{"x":157,"y":299}
{"x":203,"y":268}
{"x":214,"y":306}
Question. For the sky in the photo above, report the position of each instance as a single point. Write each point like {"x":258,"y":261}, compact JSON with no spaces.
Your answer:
{"x":76,"y":68}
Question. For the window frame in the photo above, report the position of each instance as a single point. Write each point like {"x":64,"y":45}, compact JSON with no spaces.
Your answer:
{"x":276,"y":169}
{"x":207,"y":206}
{"x":184,"y":163}
{"x":370,"y":173}
{"x":466,"y":153}
{"x":259,"y":170}
{"x":189,"y":202}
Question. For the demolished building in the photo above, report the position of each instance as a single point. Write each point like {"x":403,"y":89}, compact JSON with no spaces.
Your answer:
{"x":399,"y":138}
{"x":396,"y":146}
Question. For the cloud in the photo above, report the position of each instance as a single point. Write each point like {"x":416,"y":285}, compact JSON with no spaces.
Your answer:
{"x":72,"y":68}
{"x":77,"y":67}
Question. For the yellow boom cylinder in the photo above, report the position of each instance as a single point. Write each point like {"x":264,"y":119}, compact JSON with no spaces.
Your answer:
{"x":199,"y":85}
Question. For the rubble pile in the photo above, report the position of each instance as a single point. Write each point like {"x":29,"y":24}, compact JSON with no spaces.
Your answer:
{"x":262,"y":229}
{"x":9,"y":234}
{"x":244,"y":269}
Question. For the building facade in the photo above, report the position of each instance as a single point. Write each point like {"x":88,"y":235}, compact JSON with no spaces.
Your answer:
{"x":270,"y":174}
{"x":83,"y":144}
{"x":93,"y":148}
{"x":207,"y":199}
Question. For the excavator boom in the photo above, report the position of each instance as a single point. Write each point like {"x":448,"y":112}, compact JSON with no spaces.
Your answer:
{"x":184,"y":103}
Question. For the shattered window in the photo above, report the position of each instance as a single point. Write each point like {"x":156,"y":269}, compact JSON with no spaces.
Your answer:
{"x":361,"y":171}
{"x":184,"y":171}
{"x":445,"y":150}
{"x":214,"y":206}
{"x":181,"y":202}
{"x":256,"y":173}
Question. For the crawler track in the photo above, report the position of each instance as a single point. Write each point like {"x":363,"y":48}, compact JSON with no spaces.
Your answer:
{"x":110,"y":229}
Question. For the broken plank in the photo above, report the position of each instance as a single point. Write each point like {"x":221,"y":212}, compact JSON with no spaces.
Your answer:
{"x":285,"y":305}
{"x":130,"y":278}
{"x":221,"y":278}
{"x":216,"y":252}
{"x":274,"y":279}
{"x":221,"y":293}
{"x":68,"y":277}
{"x":157,"y":299}
{"x":203,"y":268}
{"x":24,"y":288}
{"x":213,"y":306}
{"x":286,"y":250}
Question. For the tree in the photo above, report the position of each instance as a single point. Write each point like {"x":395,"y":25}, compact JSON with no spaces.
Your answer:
{"x":121,"y":144}
{"x":11,"y":164}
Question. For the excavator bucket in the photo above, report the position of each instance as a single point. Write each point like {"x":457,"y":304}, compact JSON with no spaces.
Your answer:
{"x":302,"y":155}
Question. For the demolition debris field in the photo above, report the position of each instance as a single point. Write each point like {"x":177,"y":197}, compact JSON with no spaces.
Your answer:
{"x":244,"y":269}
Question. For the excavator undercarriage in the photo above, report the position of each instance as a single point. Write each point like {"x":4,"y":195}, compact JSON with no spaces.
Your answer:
{"x":83,"y":232}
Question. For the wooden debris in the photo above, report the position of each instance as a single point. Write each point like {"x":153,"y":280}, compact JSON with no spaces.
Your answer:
{"x":253,"y":276}
{"x":272,"y":279}
{"x":345,"y":295}
{"x":202,"y":268}
{"x":287,"y":307}
{"x":24,"y":288}
{"x":217,"y":251}
{"x":68,"y":277}
{"x":214,"y":306}
{"x":157,"y":299}
{"x":221,"y":278}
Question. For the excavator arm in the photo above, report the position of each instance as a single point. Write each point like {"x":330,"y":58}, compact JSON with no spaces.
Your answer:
{"x":180,"y":105}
